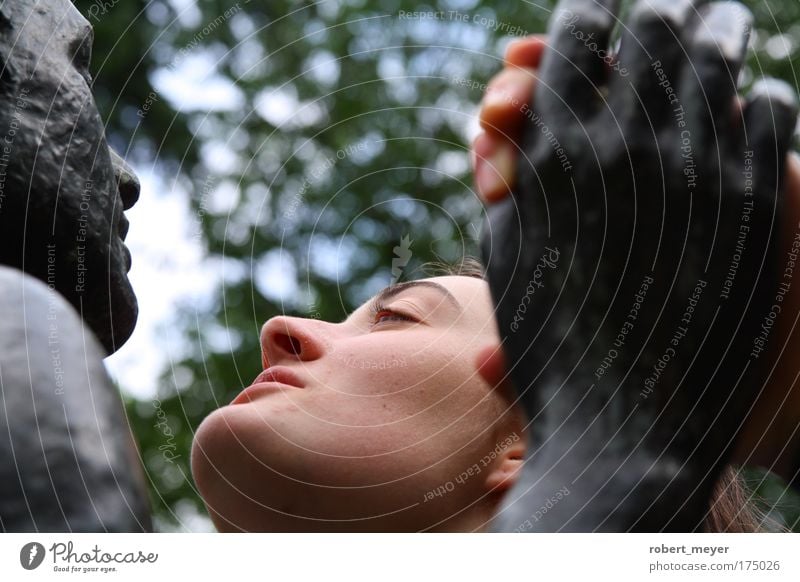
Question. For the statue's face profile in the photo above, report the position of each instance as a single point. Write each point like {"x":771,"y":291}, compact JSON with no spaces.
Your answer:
{"x":62,"y":190}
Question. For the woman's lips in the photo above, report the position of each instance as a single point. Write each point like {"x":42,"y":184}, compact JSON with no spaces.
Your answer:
{"x":269,"y":380}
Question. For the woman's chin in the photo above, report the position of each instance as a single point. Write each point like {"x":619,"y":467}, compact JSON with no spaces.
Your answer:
{"x":207,"y":452}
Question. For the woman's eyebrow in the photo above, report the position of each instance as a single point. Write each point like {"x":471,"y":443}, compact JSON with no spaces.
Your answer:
{"x":384,"y":295}
{"x":398,"y":288}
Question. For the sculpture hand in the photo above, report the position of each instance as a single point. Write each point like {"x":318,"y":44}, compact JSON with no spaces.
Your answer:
{"x":633,"y":266}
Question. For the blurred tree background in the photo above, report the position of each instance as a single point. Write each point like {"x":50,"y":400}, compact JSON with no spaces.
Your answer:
{"x":308,"y":138}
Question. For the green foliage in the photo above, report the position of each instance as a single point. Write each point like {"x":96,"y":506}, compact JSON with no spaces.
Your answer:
{"x":307,"y":81}
{"x":771,"y":494}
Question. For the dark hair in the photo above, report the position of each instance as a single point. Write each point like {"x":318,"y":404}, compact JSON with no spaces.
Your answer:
{"x":732,"y":508}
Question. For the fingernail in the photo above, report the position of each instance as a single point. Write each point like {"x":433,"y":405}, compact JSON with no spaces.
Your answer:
{"x":497,"y":95}
{"x":500,"y":90}
{"x":494,"y":172}
{"x":510,"y":89}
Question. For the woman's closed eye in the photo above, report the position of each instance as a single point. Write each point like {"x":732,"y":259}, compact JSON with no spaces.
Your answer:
{"x":382,"y":315}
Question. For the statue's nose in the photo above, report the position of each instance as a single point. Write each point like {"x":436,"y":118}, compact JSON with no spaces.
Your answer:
{"x":127,"y":182}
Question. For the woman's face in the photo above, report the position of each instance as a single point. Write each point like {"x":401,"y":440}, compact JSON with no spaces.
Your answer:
{"x":379,"y":422}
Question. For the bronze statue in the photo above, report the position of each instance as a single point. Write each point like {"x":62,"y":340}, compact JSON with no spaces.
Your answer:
{"x":68,"y":460}
{"x":636,"y":262}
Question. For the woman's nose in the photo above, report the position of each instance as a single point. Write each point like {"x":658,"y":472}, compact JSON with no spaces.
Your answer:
{"x":290,"y":338}
{"x":127,"y":182}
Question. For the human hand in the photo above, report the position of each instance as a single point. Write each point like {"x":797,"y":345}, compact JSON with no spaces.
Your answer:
{"x":630,"y":203}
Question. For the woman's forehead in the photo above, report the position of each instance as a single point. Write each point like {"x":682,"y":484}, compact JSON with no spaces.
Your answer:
{"x":470,"y":292}
{"x":460,"y":284}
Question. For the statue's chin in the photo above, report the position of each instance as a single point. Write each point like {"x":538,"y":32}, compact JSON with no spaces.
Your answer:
{"x":113,"y":323}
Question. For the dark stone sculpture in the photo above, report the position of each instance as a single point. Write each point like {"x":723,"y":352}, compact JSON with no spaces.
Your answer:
{"x":67,"y":459}
{"x":635,"y":263}
{"x":61,"y":184}
{"x":68,"y":463}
